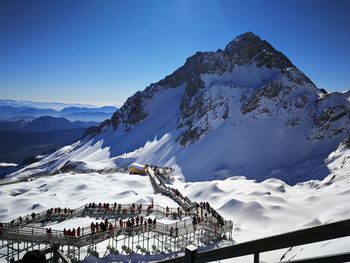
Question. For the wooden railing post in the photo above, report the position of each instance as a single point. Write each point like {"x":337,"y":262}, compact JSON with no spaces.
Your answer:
{"x":55,"y":255}
{"x":190,"y":254}
{"x":256,"y":257}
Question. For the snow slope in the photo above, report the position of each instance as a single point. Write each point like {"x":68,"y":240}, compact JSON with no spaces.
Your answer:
{"x":73,"y":191}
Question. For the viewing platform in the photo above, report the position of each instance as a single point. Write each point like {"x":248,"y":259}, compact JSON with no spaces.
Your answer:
{"x":125,"y":228}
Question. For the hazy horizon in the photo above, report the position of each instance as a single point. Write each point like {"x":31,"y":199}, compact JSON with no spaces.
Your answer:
{"x":80,"y":103}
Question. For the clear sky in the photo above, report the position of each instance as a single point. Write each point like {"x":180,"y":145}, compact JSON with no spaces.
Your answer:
{"x":101,"y":52}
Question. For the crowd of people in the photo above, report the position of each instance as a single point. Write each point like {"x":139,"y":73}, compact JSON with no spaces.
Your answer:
{"x":20,"y":221}
{"x":160,"y":170}
{"x":138,"y":222}
{"x":176,"y":194}
{"x":114,"y":208}
{"x":174,"y":232}
{"x":101,"y":227}
{"x":98,"y":227}
{"x":134,"y":209}
{"x":59,"y":210}
{"x":71,"y":233}
{"x":171,"y":192}
{"x":175,"y":214}
{"x":205,"y":211}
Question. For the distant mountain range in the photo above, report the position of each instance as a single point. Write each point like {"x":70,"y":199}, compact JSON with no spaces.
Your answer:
{"x":42,"y":124}
{"x":71,"y":113}
{"x":41,"y":105}
{"x":30,"y":128}
{"x":23,"y":139}
{"x":48,"y":123}
{"x":23,"y":147}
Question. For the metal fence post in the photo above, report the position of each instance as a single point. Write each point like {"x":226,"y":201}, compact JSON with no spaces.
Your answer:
{"x":55,"y":255}
{"x":256,"y":257}
{"x":190,"y":254}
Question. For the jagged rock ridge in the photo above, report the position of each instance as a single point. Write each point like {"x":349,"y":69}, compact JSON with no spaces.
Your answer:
{"x":246,"y":49}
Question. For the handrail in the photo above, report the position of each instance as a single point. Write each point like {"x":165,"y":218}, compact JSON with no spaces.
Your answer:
{"x":16,"y":231}
{"x":28,"y":232}
{"x":341,"y":257}
{"x":290,"y":239}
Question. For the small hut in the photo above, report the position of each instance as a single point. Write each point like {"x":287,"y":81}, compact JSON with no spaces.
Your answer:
{"x":136,"y":168}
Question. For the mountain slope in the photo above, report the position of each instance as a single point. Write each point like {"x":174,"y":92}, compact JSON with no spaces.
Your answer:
{"x":245,"y":110}
{"x":11,"y":125}
{"x":17,"y":146}
{"x":48,"y":123}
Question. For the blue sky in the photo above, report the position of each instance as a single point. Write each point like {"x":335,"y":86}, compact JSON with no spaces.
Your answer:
{"x":101,"y":52}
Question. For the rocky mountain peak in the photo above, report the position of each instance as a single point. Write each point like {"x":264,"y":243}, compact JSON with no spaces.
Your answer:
{"x":263,"y":80}
{"x":245,"y":37}
{"x":245,"y":49}
{"x":248,"y":48}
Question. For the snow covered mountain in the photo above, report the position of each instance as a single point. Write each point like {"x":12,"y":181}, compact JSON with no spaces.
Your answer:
{"x":245,"y":110}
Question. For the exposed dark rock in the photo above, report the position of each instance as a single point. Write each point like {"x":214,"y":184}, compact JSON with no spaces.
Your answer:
{"x":248,"y":48}
{"x":293,"y":122}
{"x":331,"y":114}
{"x":190,"y":136}
{"x":131,"y":113}
{"x":116,"y":119}
{"x":271,"y":91}
{"x":323,"y":91}
{"x":346,"y":142}
{"x":94,"y":130}
{"x":301,"y":102}
{"x":297,"y":77}
{"x":226,"y":114}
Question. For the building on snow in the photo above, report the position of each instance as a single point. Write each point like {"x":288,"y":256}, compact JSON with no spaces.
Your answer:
{"x":136,"y":168}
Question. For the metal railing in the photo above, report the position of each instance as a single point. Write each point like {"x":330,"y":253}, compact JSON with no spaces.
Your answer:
{"x":40,"y":235}
{"x":21,"y":231}
{"x":287,"y":240}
